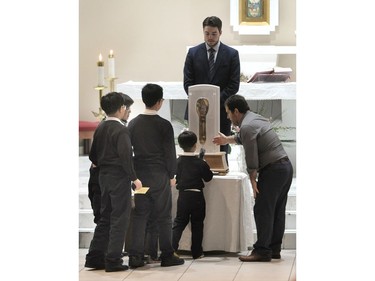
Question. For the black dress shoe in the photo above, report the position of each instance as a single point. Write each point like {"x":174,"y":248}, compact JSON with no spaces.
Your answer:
{"x":172,"y":260}
{"x":136,"y":261}
{"x":94,"y":265}
{"x":113,"y":268}
{"x":254,"y":257}
{"x":276,"y":256}
{"x":151,"y":260}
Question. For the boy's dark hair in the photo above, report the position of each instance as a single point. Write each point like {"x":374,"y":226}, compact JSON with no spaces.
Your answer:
{"x":128,"y":101}
{"x":151,"y":94}
{"x":111,"y":102}
{"x":213,"y":21}
{"x":237,"y":101}
{"x":187,"y":139}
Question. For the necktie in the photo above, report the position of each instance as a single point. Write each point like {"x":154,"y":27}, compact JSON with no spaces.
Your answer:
{"x":211,"y":62}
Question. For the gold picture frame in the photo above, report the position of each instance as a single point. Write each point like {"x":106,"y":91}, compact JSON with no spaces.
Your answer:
{"x":254,"y":12}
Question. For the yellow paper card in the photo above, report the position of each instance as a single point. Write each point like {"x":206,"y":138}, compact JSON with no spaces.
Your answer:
{"x":142,"y":190}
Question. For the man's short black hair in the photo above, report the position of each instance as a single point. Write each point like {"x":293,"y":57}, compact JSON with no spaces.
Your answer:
{"x":237,"y":101}
{"x":212,"y":21}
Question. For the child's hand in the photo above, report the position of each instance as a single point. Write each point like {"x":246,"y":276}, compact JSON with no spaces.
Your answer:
{"x":201,"y":153}
{"x":173,"y":182}
{"x":137,"y":184}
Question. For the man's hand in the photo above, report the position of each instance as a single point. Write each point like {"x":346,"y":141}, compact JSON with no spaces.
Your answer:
{"x":220,"y":139}
{"x":254,"y":185}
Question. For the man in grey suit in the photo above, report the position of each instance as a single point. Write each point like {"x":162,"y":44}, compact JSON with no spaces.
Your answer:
{"x":223,"y":69}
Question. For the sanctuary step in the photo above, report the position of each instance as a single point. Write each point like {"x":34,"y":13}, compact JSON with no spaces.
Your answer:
{"x":87,"y":225}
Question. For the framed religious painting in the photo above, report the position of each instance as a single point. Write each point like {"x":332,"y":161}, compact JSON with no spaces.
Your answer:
{"x":254,"y":12}
{"x":254,"y":16}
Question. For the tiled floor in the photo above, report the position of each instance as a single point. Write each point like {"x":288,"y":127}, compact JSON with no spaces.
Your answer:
{"x":218,"y":267}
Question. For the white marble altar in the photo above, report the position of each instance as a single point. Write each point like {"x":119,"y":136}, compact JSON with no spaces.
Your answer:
{"x":251,"y":91}
{"x":228,"y":225}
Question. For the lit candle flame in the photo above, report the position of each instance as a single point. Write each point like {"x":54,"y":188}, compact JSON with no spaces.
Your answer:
{"x":111,"y":53}
{"x":100,"y":57}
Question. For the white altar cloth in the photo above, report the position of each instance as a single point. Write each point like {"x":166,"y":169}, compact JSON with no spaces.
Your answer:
{"x":228,"y":225}
{"x":251,"y":91}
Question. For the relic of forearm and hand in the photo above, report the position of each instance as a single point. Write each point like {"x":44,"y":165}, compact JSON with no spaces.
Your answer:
{"x":202,"y":109}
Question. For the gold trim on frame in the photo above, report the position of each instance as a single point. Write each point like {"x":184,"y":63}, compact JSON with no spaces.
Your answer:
{"x":244,"y":19}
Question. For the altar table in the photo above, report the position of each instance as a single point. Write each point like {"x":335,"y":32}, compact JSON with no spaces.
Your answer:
{"x":251,"y":91}
{"x":228,"y":225}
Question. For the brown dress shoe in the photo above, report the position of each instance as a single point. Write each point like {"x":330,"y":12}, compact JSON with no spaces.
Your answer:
{"x":254,"y":257}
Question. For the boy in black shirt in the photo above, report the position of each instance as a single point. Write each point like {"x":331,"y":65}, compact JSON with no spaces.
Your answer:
{"x":191,"y":205}
{"x":111,"y":151}
{"x":93,"y":184}
{"x":154,"y":149}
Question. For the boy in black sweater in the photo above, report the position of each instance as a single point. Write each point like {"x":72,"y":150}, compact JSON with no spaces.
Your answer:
{"x":191,"y":205}
{"x":111,"y":151}
{"x":154,"y":149}
{"x":93,"y":184}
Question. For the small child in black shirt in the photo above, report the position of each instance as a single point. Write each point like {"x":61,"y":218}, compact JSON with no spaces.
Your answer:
{"x":191,"y":205}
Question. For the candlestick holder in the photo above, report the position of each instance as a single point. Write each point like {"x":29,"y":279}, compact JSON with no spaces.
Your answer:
{"x":112,"y":83}
{"x":100,"y":115}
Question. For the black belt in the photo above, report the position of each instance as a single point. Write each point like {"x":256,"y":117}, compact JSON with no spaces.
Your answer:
{"x":281,"y":160}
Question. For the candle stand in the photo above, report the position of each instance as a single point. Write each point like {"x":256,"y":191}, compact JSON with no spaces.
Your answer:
{"x":100,"y":115}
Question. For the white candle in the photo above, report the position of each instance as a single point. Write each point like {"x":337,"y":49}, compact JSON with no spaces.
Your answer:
{"x":111,"y":65}
{"x":100,"y":71}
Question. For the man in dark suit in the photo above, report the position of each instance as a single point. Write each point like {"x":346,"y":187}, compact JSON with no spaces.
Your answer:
{"x":225,"y":68}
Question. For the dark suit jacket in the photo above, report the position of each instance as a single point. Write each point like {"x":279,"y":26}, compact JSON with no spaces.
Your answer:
{"x":226,"y":75}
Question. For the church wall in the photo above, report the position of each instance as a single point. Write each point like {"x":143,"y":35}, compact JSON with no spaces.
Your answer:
{"x":149,"y":39}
